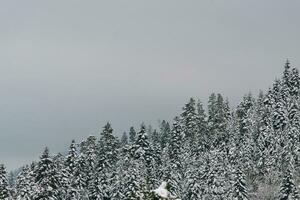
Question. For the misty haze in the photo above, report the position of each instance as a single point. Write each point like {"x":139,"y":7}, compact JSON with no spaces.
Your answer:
{"x":149,"y":100}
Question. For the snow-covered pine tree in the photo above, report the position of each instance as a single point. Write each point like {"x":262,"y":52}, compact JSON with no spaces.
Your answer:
{"x":71,"y":158}
{"x":107,"y":148}
{"x":294,"y":82}
{"x":129,"y":180}
{"x":189,"y":122}
{"x":218,"y":113}
{"x":71,"y":163}
{"x":124,"y":139}
{"x":87,"y":163}
{"x":4,"y":186}
{"x":106,"y":165}
{"x":267,"y":141}
{"x":203,"y":135}
{"x":25,"y":184}
{"x":142,"y":152}
{"x":62,"y":175}
{"x":164,"y":131}
{"x":132,"y":135}
{"x":80,"y":178}
{"x":11,"y":177}
{"x":193,"y":190}
{"x":157,"y":171}
{"x":245,"y":143}
{"x":212,"y":110}
{"x":239,"y":189}
{"x":175,"y":144}
{"x":175,"y":169}
{"x":215,"y":184}
{"x":46,"y":178}
{"x":288,"y":189}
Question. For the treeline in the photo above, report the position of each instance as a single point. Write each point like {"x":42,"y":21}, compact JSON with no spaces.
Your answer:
{"x":250,"y":152}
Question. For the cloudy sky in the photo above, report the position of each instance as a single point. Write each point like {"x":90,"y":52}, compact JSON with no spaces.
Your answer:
{"x":67,"y":67}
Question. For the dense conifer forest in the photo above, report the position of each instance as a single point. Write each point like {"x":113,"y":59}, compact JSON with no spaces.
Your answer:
{"x":251,"y":151}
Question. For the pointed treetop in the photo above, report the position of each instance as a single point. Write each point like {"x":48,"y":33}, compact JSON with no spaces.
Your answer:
{"x":107,"y":128}
{"x":124,"y":139}
{"x":45,"y":153}
{"x":287,"y":64}
{"x":2,"y":168}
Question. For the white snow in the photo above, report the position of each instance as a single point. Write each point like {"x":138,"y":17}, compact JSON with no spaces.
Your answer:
{"x":162,"y":192}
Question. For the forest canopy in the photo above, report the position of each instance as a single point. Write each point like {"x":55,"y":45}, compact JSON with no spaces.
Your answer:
{"x":248,"y":152}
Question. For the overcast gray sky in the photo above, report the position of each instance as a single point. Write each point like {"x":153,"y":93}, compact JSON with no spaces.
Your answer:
{"x":67,"y":67}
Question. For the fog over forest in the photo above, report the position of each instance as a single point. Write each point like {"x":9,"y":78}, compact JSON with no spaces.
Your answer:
{"x":67,"y":68}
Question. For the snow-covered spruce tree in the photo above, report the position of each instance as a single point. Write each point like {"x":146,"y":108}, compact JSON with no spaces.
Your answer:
{"x":129,"y":180}
{"x":155,"y":138}
{"x":294,"y":82}
{"x":174,"y":169}
{"x":194,"y":191}
{"x":62,"y":175}
{"x":106,"y":165}
{"x":124,"y":139}
{"x":175,"y":143}
{"x":212,"y":109}
{"x":218,"y":113}
{"x":203,"y":135}
{"x":4,"y":187}
{"x":142,"y":152}
{"x":11,"y":177}
{"x":46,"y":178}
{"x":71,"y":158}
{"x":133,"y":190}
{"x":282,"y":103}
{"x":245,"y":141}
{"x":192,"y":188}
{"x":71,"y":163}
{"x":279,"y":114}
{"x":283,"y":97}
{"x":132,"y":135}
{"x":25,"y":185}
{"x":120,"y":171}
{"x":265,"y":137}
{"x":288,"y":189}
{"x":239,"y":189}
{"x":107,"y":148}
{"x":270,"y":143}
{"x":80,"y":178}
{"x":215,"y":184}
{"x":189,"y":122}
{"x":101,"y":189}
{"x":157,"y":171}
{"x":223,"y":112}
{"x":164,"y":132}
{"x":141,"y":149}
{"x":87,"y":162}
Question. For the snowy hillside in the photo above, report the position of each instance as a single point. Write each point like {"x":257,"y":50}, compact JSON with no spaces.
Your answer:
{"x":248,"y":152}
